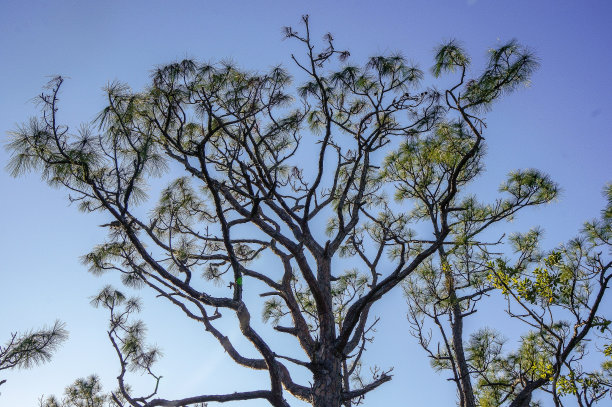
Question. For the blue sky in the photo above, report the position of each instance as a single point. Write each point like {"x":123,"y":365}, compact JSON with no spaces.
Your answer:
{"x":561,"y":124}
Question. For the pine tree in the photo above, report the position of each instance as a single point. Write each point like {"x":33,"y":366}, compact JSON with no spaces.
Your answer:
{"x":273,"y":175}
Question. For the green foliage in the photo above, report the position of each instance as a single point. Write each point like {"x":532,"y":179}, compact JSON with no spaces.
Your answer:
{"x":449,"y":57}
{"x":26,"y":350}
{"x":85,"y":392}
{"x":599,"y":231}
{"x":510,"y":66}
{"x":273,"y":311}
{"x":136,"y":355}
{"x":608,"y":350}
{"x":530,"y":184}
{"x":485,"y":348}
{"x":422,"y":165}
{"x":127,"y":338}
{"x":561,"y":295}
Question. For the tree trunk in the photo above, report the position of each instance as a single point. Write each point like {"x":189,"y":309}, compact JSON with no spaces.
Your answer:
{"x":463,"y":372}
{"x":523,"y":399}
{"x":327,"y":387}
{"x":465,"y":381}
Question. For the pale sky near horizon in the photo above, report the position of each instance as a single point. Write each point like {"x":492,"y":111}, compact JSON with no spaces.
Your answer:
{"x":561,"y":124}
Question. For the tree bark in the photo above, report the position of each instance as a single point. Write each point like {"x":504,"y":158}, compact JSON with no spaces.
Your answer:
{"x":465,"y":382}
{"x":463,"y":372}
{"x":524,"y":397}
{"x":327,"y":387}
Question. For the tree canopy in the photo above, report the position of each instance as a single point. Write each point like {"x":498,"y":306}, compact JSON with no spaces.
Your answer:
{"x":277,"y":203}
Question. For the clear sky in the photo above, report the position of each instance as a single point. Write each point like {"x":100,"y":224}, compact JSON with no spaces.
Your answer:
{"x":562,"y":125}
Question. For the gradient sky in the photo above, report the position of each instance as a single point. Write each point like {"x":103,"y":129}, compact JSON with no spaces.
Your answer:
{"x":562,"y":124}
